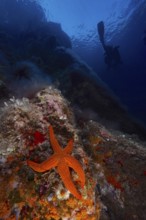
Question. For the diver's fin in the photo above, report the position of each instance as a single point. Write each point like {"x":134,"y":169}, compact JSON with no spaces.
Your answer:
{"x":100,"y":29}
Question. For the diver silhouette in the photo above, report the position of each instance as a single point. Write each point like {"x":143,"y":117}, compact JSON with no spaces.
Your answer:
{"x":112,"y":57}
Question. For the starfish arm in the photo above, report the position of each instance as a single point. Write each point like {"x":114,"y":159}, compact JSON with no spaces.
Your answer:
{"x":44,"y":166}
{"x":63,"y":171}
{"x":76,"y":166}
{"x":54,"y":143}
{"x":68,"y":149}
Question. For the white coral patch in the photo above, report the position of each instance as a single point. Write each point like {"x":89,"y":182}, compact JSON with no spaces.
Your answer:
{"x":62,"y":194}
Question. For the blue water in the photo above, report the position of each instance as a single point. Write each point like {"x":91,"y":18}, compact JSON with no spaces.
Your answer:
{"x":129,"y":80}
{"x":125,"y":22}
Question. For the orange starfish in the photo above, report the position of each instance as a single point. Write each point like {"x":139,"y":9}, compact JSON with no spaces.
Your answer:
{"x":62,"y":160}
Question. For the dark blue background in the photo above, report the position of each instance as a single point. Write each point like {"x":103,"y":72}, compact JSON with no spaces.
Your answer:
{"x":128,"y":81}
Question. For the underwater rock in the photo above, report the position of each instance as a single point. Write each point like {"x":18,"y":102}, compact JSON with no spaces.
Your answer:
{"x":44,"y":41}
{"x":114,"y":164}
{"x":55,"y":29}
{"x":59,"y":59}
{"x":24,"y":79}
{"x":5,"y":94}
{"x":62,"y":58}
{"x":82,"y":86}
{"x":25,"y":136}
{"x":30,"y":36}
{"x":12,"y":10}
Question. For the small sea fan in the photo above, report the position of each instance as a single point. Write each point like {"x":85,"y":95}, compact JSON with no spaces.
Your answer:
{"x":25,"y":79}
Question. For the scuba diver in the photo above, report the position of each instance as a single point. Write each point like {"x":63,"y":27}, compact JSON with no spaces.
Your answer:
{"x":112,"y":56}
